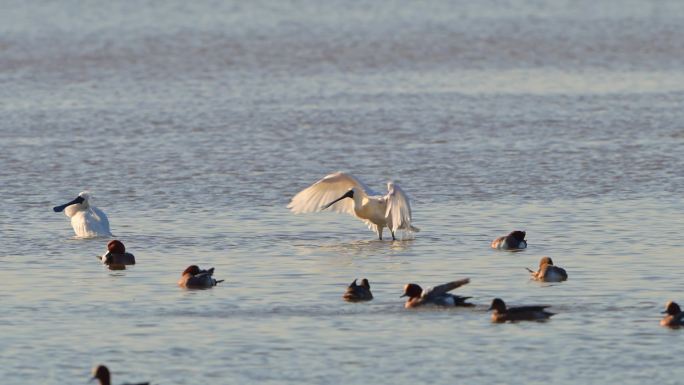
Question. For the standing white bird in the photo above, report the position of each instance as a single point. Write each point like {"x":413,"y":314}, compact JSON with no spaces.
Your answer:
{"x":88,"y":221}
{"x":391,"y":210}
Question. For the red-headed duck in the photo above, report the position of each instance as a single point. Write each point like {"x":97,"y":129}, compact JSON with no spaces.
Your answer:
{"x":194,"y":278}
{"x":674,"y":317}
{"x":101,"y":373}
{"x":548,"y":272}
{"x":521,"y":313}
{"x":358,"y":293}
{"x":116,"y":257}
{"x":438,"y":295}
{"x":513,"y":241}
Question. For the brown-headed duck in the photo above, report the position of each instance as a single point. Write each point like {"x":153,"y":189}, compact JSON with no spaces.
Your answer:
{"x":513,"y":241}
{"x":521,"y":313}
{"x":358,"y":293}
{"x":674,"y":317}
{"x":194,"y":278}
{"x":548,"y":272}
{"x":438,"y":295}
{"x":101,"y":373}
{"x":116,"y":257}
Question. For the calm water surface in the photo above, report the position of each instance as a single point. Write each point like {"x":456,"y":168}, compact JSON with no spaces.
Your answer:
{"x":193,"y":125}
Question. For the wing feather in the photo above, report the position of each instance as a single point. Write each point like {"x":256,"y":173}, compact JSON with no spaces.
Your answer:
{"x":449,"y":286}
{"x":326,"y":190}
{"x":398,"y":211}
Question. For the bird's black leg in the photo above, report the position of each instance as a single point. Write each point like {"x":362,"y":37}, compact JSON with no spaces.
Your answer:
{"x":380,"y":233}
{"x":393,"y":238}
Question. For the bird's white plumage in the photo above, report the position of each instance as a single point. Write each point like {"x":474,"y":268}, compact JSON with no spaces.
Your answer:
{"x":377,"y":211}
{"x":87,"y":220}
{"x":398,"y":210}
{"x":326,"y":190}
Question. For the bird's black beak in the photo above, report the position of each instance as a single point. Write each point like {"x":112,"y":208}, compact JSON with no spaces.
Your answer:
{"x":59,"y":209}
{"x":403,"y":295}
{"x":348,"y":194}
{"x":490,"y":308}
{"x":663,"y":312}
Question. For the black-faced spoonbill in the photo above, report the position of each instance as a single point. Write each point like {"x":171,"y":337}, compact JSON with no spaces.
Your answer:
{"x":391,"y":210}
{"x":88,"y":221}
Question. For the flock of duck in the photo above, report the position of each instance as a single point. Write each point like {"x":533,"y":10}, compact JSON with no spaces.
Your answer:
{"x":341,"y":192}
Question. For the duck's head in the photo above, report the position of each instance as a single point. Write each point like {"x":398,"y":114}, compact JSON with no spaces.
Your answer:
{"x":348,"y":194}
{"x":101,"y":373}
{"x":498,"y":305}
{"x":192,"y":270}
{"x":81,"y":202}
{"x":672,"y":308}
{"x":545,"y":261}
{"x":412,"y":290}
{"x":116,"y":246}
{"x":364,"y":283}
{"x":518,"y":235}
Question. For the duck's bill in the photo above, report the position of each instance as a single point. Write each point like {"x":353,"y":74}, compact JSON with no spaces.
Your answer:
{"x":403,"y":295}
{"x":59,"y":209}
{"x":490,"y":308}
{"x":348,"y":194}
{"x":663,"y":312}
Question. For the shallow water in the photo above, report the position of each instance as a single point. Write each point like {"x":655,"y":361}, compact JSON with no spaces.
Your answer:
{"x":193,"y":125}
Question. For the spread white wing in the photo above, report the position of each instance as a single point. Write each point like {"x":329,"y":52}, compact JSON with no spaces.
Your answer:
{"x":398,"y":211}
{"x":326,"y":190}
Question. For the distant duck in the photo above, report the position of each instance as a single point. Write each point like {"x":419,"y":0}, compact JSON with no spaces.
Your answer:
{"x":438,"y":295}
{"x":674,"y":317}
{"x":88,"y":221}
{"x":194,"y":278}
{"x":548,"y":272}
{"x":116,"y":257}
{"x":101,"y":373}
{"x":513,"y":241}
{"x":521,"y":313}
{"x":358,"y":293}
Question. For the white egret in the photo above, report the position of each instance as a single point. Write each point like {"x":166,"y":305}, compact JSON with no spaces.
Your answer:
{"x":391,"y":210}
{"x":88,"y":221}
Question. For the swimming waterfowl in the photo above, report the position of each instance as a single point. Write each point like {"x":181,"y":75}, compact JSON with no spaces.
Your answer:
{"x":520,"y":313}
{"x":357,"y":293}
{"x":437,"y":295}
{"x":88,"y":221}
{"x":116,"y":257}
{"x":101,"y":373}
{"x":674,"y":317}
{"x":548,"y":272}
{"x":194,"y":278}
{"x":513,"y":241}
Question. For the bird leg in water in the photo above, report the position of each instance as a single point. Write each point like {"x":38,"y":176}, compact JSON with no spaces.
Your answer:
{"x":393,"y":238}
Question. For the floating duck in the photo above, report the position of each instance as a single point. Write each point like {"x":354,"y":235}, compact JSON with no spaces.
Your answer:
{"x":101,"y":373}
{"x":438,"y":295}
{"x":548,"y":272}
{"x":674,"y":317}
{"x":88,"y":221}
{"x":195,"y":278}
{"x":358,"y":293}
{"x":116,"y":257}
{"x":520,"y":313}
{"x":513,"y":241}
